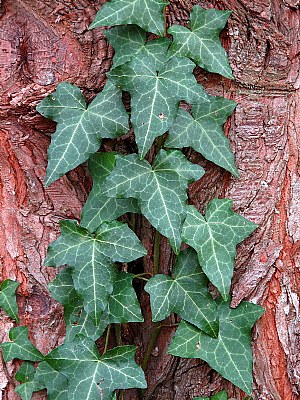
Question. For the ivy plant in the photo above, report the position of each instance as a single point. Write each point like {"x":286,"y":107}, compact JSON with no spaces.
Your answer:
{"x":95,"y":285}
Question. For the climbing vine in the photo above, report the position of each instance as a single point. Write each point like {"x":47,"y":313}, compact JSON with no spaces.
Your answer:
{"x":95,"y":291}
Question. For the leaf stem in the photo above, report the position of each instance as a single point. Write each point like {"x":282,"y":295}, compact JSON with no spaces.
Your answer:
{"x":156,"y":260}
{"x":107,"y":339}
{"x":143,"y":274}
{"x":152,"y":342}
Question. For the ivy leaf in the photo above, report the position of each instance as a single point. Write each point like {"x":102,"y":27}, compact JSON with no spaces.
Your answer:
{"x":91,"y":375}
{"x":218,"y":396}
{"x":129,"y":41}
{"x":161,"y":189}
{"x":55,"y":383}
{"x":8,"y":298}
{"x":230,"y":354}
{"x":98,"y":208}
{"x":148,"y":14}
{"x":80,"y":128}
{"x":215,"y":238}
{"x":25,"y":375}
{"x":155,"y":93}
{"x":92,"y":254}
{"x":185,"y":294}
{"x":204,"y":133}
{"x":201,"y":43}
{"x":20,"y":346}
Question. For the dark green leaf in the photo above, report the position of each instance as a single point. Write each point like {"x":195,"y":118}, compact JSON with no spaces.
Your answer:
{"x":230,"y":354}
{"x":203,"y":131}
{"x":215,"y":238}
{"x":185,"y":294}
{"x":55,"y":383}
{"x":201,"y":43}
{"x":218,"y":396}
{"x":80,"y":128}
{"x":25,"y":374}
{"x":8,"y":298}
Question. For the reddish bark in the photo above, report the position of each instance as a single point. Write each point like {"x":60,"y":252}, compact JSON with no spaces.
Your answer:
{"x":45,"y":42}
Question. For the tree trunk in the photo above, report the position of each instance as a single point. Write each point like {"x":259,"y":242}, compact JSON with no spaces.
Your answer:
{"x":43,"y":42}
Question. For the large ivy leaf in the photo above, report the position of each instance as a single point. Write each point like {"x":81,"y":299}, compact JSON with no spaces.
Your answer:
{"x":155,"y":93}
{"x":20,"y":346}
{"x":203,"y":131}
{"x":80,"y":128}
{"x":8,"y":298}
{"x":148,"y":14}
{"x":92,"y":376}
{"x":229,"y":354}
{"x":161,"y":189}
{"x":201,"y":42}
{"x":55,"y":383}
{"x":91,"y":254}
{"x":185,"y":294}
{"x":215,"y":238}
{"x":129,"y":41}
{"x":25,"y":375}
{"x":98,"y":208}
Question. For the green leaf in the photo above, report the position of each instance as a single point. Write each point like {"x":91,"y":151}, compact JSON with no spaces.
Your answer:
{"x":230,"y":354}
{"x":155,"y":93}
{"x":201,"y":43}
{"x":8,"y":298}
{"x":55,"y":383}
{"x":215,"y":238}
{"x":218,"y":396}
{"x":91,"y":254}
{"x":148,"y":14}
{"x":25,"y":374}
{"x":91,"y":375}
{"x":20,"y":346}
{"x":161,"y":189}
{"x":80,"y":128}
{"x":185,"y":294}
{"x":204,"y":133}
{"x":129,"y":42}
{"x":98,"y":208}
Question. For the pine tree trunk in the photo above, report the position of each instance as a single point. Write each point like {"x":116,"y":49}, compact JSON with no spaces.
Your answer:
{"x":43,"y":42}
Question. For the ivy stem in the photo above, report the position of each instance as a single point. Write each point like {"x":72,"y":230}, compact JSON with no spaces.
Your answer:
{"x":107,"y":339}
{"x":143,"y":274}
{"x":156,"y":260}
{"x":152,"y":342}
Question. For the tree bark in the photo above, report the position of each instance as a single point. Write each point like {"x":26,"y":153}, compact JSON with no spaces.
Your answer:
{"x":45,"y":42}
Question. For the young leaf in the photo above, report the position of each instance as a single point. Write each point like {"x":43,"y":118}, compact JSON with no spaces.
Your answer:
{"x":155,"y":93}
{"x":91,"y":375}
{"x":8,"y":298}
{"x":148,"y":14}
{"x":129,"y":41}
{"x":25,"y":375}
{"x":203,"y":131}
{"x":215,"y":238}
{"x":80,"y":128}
{"x":20,"y":346}
{"x":55,"y":383}
{"x":218,"y":396}
{"x":161,"y":189}
{"x":229,"y":354}
{"x":98,"y":208}
{"x":185,"y":294}
{"x":201,"y":42}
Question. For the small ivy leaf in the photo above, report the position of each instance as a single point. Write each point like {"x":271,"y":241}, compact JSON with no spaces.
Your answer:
{"x":25,"y":375}
{"x":161,"y":189}
{"x":218,"y":396}
{"x":156,"y":93}
{"x":230,"y":354}
{"x":55,"y":383}
{"x":129,"y":41}
{"x":204,"y":133}
{"x":98,"y":208}
{"x":80,"y":128}
{"x":20,"y":346}
{"x":215,"y":238}
{"x":91,"y":375}
{"x":201,"y":43}
{"x":148,"y":14}
{"x":185,"y":294}
{"x":8,"y":298}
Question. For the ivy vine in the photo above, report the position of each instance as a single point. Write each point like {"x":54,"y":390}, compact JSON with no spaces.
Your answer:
{"x":95,"y":293}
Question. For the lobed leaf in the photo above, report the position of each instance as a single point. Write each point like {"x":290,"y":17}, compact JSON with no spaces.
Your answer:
{"x":201,"y":42}
{"x":215,"y":238}
{"x":8,"y":300}
{"x":25,"y":374}
{"x":52,"y":380}
{"x":229,"y":354}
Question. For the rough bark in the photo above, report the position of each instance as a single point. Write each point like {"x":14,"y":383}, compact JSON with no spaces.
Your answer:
{"x":45,"y":42}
